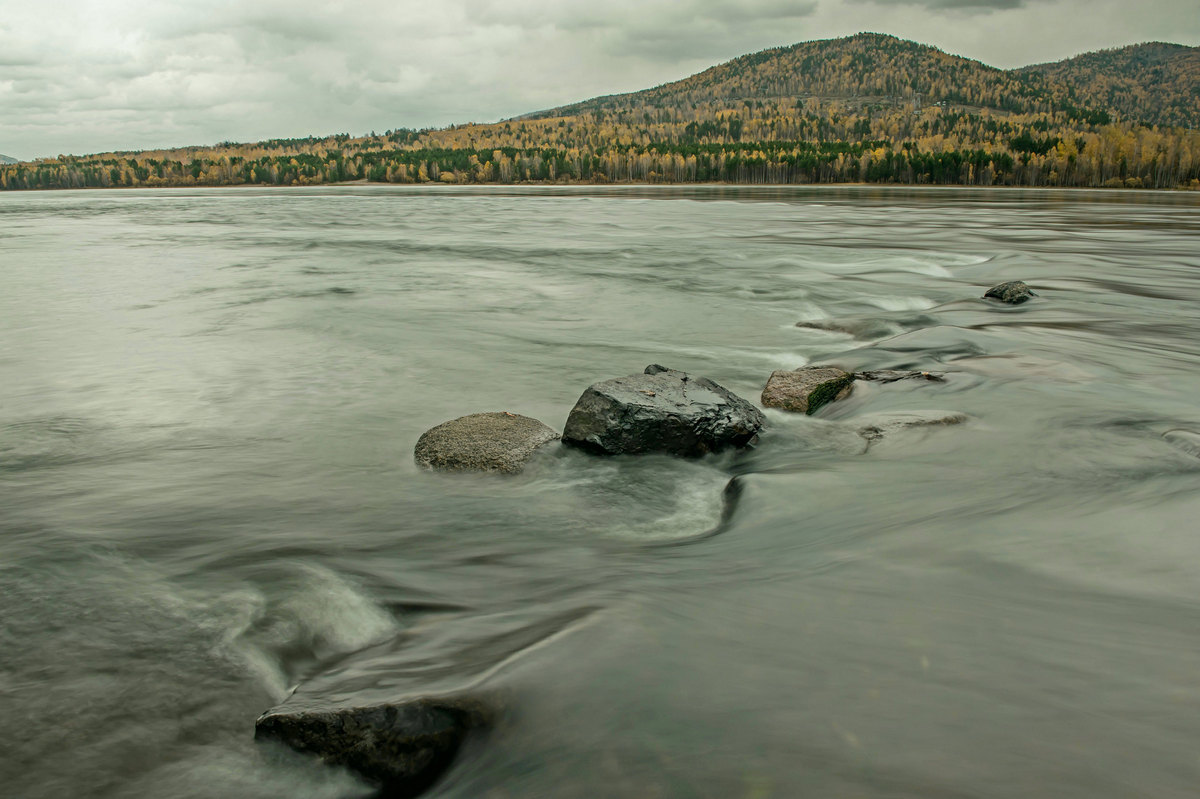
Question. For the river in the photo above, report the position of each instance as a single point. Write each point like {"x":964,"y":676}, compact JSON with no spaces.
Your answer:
{"x":209,"y":401}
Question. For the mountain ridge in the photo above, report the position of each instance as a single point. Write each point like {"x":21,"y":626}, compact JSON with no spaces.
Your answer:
{"x":1157,"y":82}
{"x":1026,"y":87}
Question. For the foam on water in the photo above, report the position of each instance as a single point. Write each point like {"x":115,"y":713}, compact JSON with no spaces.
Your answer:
{"x":901,"y":303}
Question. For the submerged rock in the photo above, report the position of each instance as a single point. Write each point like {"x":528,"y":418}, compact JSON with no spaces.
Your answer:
{"x":806,"y":389}
{"x":895,"y":375}
{"x":1013,"y":292}
{"x":661,"y":411}
{"x":875,"y":326}
{"x":1184,"y":441}
{"x":400,"y":748}
{"x":483,"y":442}
{"x":876,"y":426}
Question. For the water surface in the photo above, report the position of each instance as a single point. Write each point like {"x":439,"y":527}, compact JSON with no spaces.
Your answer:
{"x":209,"y":399}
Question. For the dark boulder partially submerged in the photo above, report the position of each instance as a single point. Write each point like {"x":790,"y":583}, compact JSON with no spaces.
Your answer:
{"x":806,"y":389}
{"x":483,"y":442}
{"x":1013,"y":292}
{"x":399,"y":748}
{"x":661,"y":411}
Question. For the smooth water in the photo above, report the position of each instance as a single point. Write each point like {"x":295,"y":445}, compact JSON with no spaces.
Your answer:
{"x":209,"y":400}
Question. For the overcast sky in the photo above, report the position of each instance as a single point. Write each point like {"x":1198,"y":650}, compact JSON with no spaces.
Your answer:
{"x":82,"y":76}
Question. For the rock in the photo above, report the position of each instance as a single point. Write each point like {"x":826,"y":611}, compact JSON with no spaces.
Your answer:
{"x":1014,"y":292}
{"x":483,"y":442}
{"x":661,"y":411}
{"x":875,"y":426}
{"x":399,"y":748}
{"x":806,"y":389}
{"x":1184,"y":441}
{"x":894,"y":375}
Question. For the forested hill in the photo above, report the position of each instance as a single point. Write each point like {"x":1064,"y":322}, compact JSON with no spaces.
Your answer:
{"x":1156,"y":83}
{"x":868,"y":68}
{"x":868,"y":108}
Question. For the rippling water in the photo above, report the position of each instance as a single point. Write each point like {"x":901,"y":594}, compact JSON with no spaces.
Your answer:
{"x":209,"y":399}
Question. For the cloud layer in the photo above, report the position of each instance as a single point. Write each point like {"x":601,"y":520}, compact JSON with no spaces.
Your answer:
{"x":82,"y":76}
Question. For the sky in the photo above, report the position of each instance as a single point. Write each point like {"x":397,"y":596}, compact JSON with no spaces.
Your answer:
{"x":85,"y":76}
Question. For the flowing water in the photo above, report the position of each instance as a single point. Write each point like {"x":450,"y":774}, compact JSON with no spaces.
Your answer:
{"x":209,"y":400}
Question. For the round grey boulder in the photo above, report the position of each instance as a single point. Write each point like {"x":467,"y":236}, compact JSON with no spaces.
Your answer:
{"x":661,"y":411}
{"x":1013,"y":292}
{"x":483,"y":442}
{"x":806,"y":389}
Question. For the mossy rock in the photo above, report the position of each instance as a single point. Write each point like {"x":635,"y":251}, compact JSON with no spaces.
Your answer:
{"x":806,"y":389}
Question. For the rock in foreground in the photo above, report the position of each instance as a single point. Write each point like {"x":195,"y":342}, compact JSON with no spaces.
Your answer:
{"x":661,"y":411}
{"x":483,"y":442}
{"x":1014,"y":292}
{"x":399,"y":748}
{"x":807,"y":389}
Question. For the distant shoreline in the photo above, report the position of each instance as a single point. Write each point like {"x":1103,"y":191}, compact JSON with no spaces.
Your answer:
{"x":450,"y":187}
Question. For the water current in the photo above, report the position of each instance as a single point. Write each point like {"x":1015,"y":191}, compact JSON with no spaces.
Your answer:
{"x":209,"y":401}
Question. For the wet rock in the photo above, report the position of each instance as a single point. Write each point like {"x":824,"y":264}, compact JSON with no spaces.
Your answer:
{"x":806,"y":389}
{"x":1013,"y":292}
{"x":483,"y":442}
{"x":895,"y":375}
{"x":401,"y":748}
{"x":1184,"y":441}
{"x":876,"y":426}
{"x":661,"y":411}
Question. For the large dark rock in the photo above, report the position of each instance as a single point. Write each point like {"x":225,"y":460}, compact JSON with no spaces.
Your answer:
{"x":483,"y":442}
{"x":806,"y":389}
{"x":661,"y":411}
{"x":400,"y":748}
{"x":1014,"y":292}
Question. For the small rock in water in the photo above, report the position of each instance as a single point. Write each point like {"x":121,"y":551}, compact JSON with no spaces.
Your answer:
{"x":894,"y":375}
{"x":483,"y":442}
{"x":875,"y":426}
{"x":1184,"y":441}
{"x":806,"y":389}
{"x":1014,"y":292}
{"x":399,"y":748}
{"x":661,"y":411}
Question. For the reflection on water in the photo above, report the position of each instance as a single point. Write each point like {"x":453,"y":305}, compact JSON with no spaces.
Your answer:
{"x":208,"y":402}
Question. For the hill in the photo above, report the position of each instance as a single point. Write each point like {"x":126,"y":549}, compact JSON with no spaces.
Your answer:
{"x":865,"y":108}
{"x":5,"y":159}
{"x":865,"y":69}
{"x":1155,"y":83}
